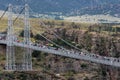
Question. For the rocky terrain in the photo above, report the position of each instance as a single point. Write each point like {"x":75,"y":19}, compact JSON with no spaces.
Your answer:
{"x":93,"y":38}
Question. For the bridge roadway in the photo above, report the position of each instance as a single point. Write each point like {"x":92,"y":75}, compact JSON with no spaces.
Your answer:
{"x":72,"y":54}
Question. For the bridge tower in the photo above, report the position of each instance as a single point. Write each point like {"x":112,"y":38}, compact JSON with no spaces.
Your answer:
{"x":26,"y":64}
{"x":27,"y":58}
{"x":10,"y":56}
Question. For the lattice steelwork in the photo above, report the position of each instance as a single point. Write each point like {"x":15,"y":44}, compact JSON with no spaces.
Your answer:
{"x":27,"y":65}
{"x":10,"y":56}
{"x":11,"y":63}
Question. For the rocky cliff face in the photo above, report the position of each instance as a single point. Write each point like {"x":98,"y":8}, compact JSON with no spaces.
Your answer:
{"x":91,"y":41}
{"x":94,"y":42}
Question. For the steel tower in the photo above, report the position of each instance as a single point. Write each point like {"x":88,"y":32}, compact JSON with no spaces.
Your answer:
{"x":10,"y":56}
{"x":27,"y":61}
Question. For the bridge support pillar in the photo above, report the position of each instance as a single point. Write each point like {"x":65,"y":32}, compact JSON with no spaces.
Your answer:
{"x":10,"y":56}
{"x":27,"y":63}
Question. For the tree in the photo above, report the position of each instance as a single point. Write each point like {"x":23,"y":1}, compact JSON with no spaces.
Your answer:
{"x":89,"y":28}
{"x":36,"y":54}
{"x":39,"y":37}
{"x":71,"y":78}
{"x":87,"y":41}
{"x":22,"y":34}
{"x":62,"y":24}
{"x":73,"y":25}
{"x":86,"y":78}
{"x":99,"y":29}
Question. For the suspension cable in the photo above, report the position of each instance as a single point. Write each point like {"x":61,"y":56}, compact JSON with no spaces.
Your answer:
{"x":47,"y":38}
{"x":4,"y":13}
{"x":61,"y":38}
{"x":18,"y":15}
{"x":50,"y":40}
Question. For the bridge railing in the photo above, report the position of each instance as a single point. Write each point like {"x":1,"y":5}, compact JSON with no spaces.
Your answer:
{"x":71,"y":53}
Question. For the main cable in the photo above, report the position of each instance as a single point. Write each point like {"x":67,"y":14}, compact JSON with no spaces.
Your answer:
{"x":4,"y":13}
{"x":50,"y":40}
{"x":18,"y":16}
{"x":60,"y":37}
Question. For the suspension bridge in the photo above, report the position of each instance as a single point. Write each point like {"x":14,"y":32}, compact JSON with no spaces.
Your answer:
{"x":26,"y":64}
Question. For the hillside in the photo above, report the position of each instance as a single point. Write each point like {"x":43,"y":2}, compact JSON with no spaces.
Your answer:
{"x":70,"y":7}
{"x":96,"y":38}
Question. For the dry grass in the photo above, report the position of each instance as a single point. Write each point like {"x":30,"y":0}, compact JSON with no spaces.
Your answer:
{"x":37,"y":29}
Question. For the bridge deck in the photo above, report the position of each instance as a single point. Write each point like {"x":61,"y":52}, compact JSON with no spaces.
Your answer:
{"x":77,"y":55}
